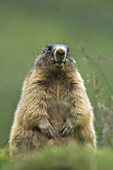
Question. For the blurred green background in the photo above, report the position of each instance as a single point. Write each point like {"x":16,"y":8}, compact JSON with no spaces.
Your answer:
{"x":27,"y":26}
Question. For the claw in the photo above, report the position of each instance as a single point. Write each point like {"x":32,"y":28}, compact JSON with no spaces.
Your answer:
{"x":69,"y":132}
{"x":51,"y":132}
{"x":61,"y":130}
{"x":64,"y":132}
{"x":47,"y":133}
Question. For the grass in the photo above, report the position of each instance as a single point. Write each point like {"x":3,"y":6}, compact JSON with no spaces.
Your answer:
{"x":70,"y":157}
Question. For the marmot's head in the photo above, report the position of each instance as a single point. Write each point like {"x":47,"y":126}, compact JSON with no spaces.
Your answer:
{"x":55,"y":56}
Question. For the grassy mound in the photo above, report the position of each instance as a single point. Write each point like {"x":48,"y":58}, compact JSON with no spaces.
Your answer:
{"x":63,"y":158}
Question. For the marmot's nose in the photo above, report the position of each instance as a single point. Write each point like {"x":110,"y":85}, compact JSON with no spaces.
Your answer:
{"x":60,"y":52}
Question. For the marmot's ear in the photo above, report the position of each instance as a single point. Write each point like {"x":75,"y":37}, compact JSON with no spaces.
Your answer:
{"x":75,"y":63}
{"x":44,"y":50}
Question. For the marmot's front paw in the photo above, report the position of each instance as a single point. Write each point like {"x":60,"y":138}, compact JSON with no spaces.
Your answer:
{"x":67,"y":128}
{"x":46,"y":128}
{"x":49,"y":131}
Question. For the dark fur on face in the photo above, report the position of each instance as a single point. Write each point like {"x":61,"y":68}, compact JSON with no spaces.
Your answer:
{"x":55,"y":56}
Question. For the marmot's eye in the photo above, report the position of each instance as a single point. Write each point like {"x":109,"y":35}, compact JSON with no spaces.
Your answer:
{"x":49,"y":48}
{"x":68,"y":49}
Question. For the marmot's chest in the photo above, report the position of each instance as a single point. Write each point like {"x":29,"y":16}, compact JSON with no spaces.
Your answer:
{"x":59,"y":89}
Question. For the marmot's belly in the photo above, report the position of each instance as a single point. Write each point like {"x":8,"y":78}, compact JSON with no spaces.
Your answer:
{"x":57,"y":114}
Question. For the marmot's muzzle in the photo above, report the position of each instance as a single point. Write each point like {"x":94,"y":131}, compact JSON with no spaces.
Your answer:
{"x":60,"y":55}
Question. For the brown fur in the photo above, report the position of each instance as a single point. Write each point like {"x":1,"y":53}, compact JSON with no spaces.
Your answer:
{"x":43,"y":88}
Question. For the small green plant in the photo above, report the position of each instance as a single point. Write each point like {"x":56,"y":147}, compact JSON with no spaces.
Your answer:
{"x":4,"y":156}
{"x":102,"y":96}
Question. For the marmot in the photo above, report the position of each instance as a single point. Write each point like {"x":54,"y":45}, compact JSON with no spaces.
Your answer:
{"x":40,"y":119}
